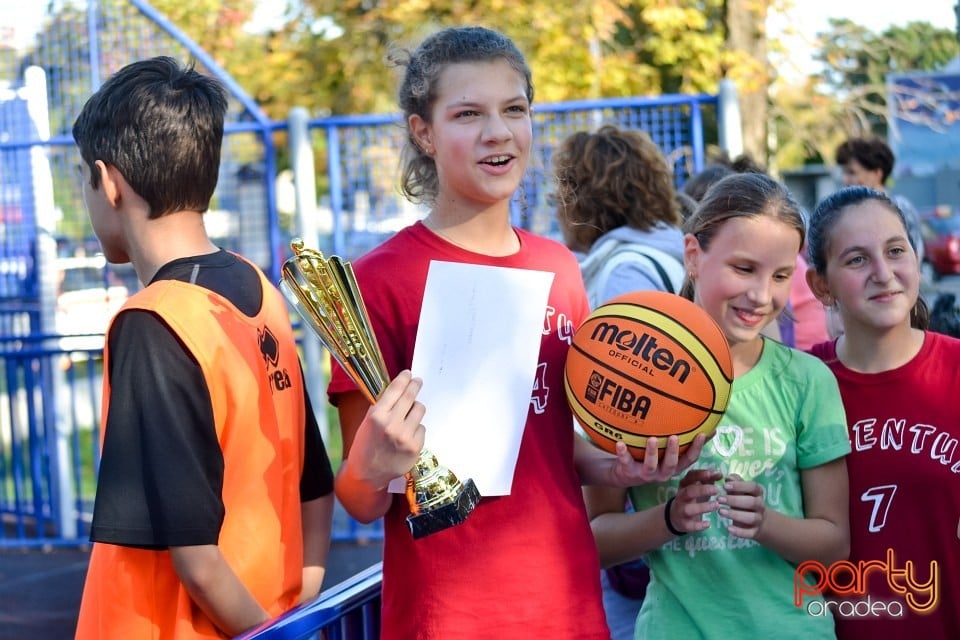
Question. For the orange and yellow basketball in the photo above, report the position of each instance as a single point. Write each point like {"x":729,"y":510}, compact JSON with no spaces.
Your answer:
{"x":648,"y":363}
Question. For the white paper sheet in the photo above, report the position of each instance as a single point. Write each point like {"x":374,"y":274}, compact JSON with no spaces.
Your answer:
{"x":477,"y":350}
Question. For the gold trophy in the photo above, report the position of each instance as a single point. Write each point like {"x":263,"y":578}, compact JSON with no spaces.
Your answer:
{"x":324,"y":292}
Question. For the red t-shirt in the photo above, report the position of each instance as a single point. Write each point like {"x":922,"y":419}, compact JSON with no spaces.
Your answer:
{"x":523,"y":565}
{"x":904,"y":470}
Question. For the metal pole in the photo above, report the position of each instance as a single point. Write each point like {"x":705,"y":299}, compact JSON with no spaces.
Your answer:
{"x":57,"y":427}
{"x":305,"y":204}
{"x":731,"y":127}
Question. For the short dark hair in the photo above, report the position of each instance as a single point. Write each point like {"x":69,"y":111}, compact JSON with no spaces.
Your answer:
{"x":870,"y":153}
{"x":696,"y":186}
{"x":161,"y":125}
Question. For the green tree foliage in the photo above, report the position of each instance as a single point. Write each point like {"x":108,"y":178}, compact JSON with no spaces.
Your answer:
{"x":601,"y":49}
{"x":330,"y":56}
{"x":847,"y":97}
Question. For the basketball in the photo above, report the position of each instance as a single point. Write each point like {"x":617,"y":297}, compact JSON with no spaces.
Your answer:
{"x":648,"y":363}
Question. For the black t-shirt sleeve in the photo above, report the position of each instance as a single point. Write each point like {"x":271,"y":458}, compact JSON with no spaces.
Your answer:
{"x":161,"y":474}
{"x":316,"y":480}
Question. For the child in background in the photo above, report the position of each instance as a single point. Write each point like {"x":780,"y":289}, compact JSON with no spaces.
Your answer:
{"x":770,"y":489}
{"x":809,"y":317}
{"x":901,"y":389}
{"x":215,"y":495}
{"x":522,"y":565}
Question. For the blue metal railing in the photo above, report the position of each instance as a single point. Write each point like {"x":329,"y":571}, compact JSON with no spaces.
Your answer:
{"x":347,"y":611}
{"x":49,"y":430}
{"x":365,"y":205}
{"x":49,"y":444}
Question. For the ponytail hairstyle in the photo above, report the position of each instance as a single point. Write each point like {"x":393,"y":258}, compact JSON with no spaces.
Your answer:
{"x":740,"y":195}
{"x":418,"y":92}
{"x":825,"y":218}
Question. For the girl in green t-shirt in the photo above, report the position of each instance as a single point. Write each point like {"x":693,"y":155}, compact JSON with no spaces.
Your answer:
{"x":770,"y":489}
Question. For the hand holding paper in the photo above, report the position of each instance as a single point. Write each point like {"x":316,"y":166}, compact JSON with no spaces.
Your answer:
{"x":325,"y":293}
{"x":477,"y":351}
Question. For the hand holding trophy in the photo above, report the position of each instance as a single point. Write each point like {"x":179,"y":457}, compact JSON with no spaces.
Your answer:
{"x":324,"y":292}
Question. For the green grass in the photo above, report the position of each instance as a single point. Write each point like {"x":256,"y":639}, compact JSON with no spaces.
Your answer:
{"x":334,"y":443}
{"x":88,"y":478}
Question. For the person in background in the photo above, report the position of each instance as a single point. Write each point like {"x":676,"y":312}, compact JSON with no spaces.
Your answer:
{"x":723,"y":165}
{"x":945,"y":315}
{"x":868,"y":162}
{"x":807,"y":324}
{"x":522,"y":565}
{"x":618,"y":209}
{"x":696,"y":185}
{"x":214,"y":497}
{"x":769,"y":490}
{"x":687,"y":205}
{"x":901,"y":389}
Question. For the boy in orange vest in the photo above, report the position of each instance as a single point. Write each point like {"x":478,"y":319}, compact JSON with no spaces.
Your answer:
{"x":214,"y":497}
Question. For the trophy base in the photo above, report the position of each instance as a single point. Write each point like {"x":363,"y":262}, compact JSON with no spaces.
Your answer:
{"x":445,"y":516}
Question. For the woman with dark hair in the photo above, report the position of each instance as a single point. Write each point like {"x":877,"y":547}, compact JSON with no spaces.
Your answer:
{"x":900,"y":384}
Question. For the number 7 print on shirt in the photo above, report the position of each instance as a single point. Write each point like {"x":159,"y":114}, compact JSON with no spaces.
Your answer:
{"x":881,"y":497}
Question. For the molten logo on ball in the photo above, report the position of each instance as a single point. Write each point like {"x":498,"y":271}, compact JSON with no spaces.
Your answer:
{"x":645,"y":347}
{"x":648,"y":364}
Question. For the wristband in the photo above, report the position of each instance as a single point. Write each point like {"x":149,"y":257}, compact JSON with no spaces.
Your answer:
{"x":666,"y":518}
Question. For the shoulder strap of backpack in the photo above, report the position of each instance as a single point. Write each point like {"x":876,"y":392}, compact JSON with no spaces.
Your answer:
{"x":664,"y":278}
{"x":594,"y":269}
{"x":599,"y":264}
{"x":668,"y":268}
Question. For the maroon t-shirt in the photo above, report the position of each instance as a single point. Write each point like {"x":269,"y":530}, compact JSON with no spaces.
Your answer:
{"x":904,"y":470}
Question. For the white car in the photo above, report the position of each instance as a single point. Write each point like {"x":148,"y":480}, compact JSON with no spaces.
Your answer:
{"x":88,"y":295}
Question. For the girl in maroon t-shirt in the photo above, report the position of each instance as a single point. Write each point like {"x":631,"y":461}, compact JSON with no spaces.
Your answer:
{"x":900,"y":386}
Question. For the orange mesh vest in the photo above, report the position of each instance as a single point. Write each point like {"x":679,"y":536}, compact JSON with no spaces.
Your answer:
{"x":252,"y":372}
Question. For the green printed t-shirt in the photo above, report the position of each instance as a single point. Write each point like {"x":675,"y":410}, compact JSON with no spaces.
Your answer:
{"x":785,"y":415}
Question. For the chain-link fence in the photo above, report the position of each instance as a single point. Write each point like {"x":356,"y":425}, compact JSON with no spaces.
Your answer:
{"x":56,"y":293}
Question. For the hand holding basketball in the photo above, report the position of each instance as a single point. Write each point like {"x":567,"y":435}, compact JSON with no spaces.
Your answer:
{"x":648,"y":364}
{"x":630,"y":471}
